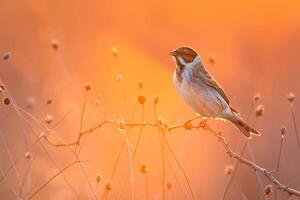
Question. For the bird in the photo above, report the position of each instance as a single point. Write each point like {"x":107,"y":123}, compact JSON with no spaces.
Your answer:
{"x":202,"y":92}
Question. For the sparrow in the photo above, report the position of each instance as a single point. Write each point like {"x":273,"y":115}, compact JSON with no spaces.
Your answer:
{"x":202,"y":92}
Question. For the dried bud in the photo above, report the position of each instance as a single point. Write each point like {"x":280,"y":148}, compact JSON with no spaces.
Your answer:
{"x":28,"y":155}
{"x":108,"y":186}
{"x":2,"y":88}
{"x":6,"y":55}
{"x":87,"y":86}
{"x":212,"y":59}
{"x":283,"y":131}
{"x":290,"y":97}
{"x":49,"y":101}
{"x":165,"y":124}
{"x":141,"y":85}
{"x":257,"y":97}
{"x":188,"y":125}
{"x":155,"y":99}
{"x":119,"y":77}
{"x":121,"y":124}
{"x":160,"y":121}
{"x":268,"y":190}
{"x":115,"y":51}
{"x":259,"y":111}
{"x":54,"y":44}
{"x":169,"y":185}
{"x":48,"y":119}
{"x":141,"y":100}
{"x":98,"y":177}
{"x":97,"y":102}
{"x":228,"y":169}
{"x":42,"y":135}
{"x":202,"y":124}
{"x":6,"y":101}
{"x":144,"y":169}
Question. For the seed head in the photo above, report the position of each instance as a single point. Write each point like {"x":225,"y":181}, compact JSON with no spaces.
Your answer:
{"x":119,"y":77}
{"x":115,"y":51}
{"x":290,"y":97}
{"x":155,"y":99}
{"x":169,"y":185}
{"x":2,"y":88}
{"x":121,"y":124}
{"x":144,"y":169}
{"x":141,"y":85}
{"x":259,"y":111}
{"x":212,"y":59}
{"x":228,"y":169}
{"x":6,"y":101}
{"x":49,"y":101}
{"x":257,"y":97}
{"x":188,"y":125}
{"x":108,"y":186}
{"x":55,"y":44}
{"x":48,"y":119}
{"x":28,"y":155}
{"x":97,"y":102}
{"x":98,"y":177}
{"x":6,"y":55}
{"x":141,"y":100}
{"x":88,"y":86}
{"x":283,"y":131}
{"x":268,"y":190}
{"x":42,"y":135}
{"x":160,"y":121}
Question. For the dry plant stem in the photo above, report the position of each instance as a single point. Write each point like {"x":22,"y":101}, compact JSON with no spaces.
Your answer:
{"x":235,"y":168}
{"x":147,"y":186}
{"x":181,"y":168}
{"x":130,"y":161}
{"x":170,"y":165}
{"x":81,"y":124}
{"x":295,"y":124}
{"x":86,"y":177}
{"x":258,"y":177}
{"x":268,"y":174}
{"x":174,"y":156}
{"x":19,"y":188}
{"x":238,"y":157}
{"x":236,"y":163}
{"x":51,"y":179}
{"x":278,"y":162}
{"x":40,"y":141}
{"x":163,"y":164}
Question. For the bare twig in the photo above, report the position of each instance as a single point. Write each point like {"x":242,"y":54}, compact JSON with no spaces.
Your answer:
{"x":51,"y":179}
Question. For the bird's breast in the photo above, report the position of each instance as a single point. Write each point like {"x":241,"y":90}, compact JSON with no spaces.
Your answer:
{"x":199,"y":97}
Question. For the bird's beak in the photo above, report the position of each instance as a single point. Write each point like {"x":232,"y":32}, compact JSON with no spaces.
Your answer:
{"x":172,"y":53}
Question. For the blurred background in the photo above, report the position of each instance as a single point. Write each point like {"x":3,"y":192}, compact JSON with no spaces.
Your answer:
{"x":50,"y":49}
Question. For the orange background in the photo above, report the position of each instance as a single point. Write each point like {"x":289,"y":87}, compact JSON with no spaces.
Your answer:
{"x":256,"y":45}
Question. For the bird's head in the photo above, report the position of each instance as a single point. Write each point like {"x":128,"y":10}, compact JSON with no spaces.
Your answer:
{"x":184,"y":56}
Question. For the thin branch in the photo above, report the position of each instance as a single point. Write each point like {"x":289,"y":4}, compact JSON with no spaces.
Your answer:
{"x":51,"y":179}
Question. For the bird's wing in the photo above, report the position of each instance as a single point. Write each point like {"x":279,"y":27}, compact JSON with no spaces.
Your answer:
{"x":211,"y":82}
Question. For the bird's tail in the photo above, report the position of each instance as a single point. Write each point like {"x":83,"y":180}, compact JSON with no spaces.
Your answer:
{"x":247,"y":130}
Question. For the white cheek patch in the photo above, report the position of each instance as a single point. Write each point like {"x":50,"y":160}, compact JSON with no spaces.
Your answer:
{"x":196,"y":61}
